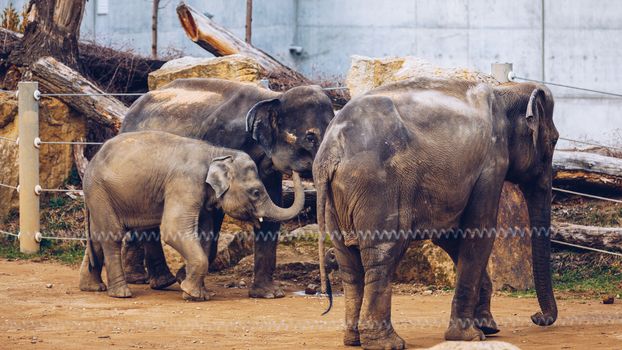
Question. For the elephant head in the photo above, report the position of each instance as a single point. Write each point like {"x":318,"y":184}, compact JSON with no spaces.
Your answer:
{"x":242,"y":195}
{"x":531,"y":141}
{"x":290,"y":127}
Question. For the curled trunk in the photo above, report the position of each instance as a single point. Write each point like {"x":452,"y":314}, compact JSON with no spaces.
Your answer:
{"x":276,"y":213}
{"x":539,"y":203}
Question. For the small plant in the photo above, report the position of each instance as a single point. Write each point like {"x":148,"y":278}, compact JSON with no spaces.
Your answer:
{"x":10,"y":18}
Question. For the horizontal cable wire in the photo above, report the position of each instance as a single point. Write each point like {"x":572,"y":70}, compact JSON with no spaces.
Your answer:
{"x":8,"y":91}
{"x":587,"y":195}
{"x":7,"y":139}
{"x":569,"y":86}
{"x":335,"y":88}
{"x":64,"y":238}
{"x":9,"y":234}
{"x":9,"y":186}
{"x":96,"y":94}
{"x":70,"y":143}
{"x":59,"y":190}
{"x":591,"y":143}
{"x":586,"y":248}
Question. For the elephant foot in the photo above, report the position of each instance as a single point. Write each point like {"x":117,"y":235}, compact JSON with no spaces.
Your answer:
{"x":351,"y":337}
{"x":467,"y":333}
{"x":543,"y":320}
{"x":194,"y":292}
{"x":390,"y":342}
{"x":136,"y":275}
{"x":266,"y":291}
{"x":162,"y":281}
{"x":120,"y":291}
{"x":486,"y":323}
{"x":90,"y":284}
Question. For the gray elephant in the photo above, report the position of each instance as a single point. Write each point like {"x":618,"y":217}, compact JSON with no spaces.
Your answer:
{"x":146,"y":180}
{"x":281,"y":131}
{"x":427,"y":159}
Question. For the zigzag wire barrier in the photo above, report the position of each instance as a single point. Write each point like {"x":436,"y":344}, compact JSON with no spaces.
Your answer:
{"x":511,"y":77}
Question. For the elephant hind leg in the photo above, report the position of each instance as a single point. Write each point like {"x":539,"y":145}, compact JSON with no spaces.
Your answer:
{"x":90,"y":274}
{"x":134,"y":259}
{"x":107,"y":231}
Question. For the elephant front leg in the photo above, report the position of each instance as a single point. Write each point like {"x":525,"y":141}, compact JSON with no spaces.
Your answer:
{"x":179,"y":230}
{"x":134,"y":260}
{"x":160,"y":276}
{"x":483,"y":316}
{"x":375,"y":326}
{"x":266,"y":242}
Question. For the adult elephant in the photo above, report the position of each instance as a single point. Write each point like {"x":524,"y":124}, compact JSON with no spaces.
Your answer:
{"x":281,"y":131}
{"x":430,"y":156}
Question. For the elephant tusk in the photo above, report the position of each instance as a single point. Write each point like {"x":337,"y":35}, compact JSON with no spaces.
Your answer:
{"x":261,"y":219}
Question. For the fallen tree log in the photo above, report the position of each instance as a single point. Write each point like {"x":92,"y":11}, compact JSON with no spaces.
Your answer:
{"x":607,"y":238}
{"x":112,"y":70}
{"x":586,"y":169}
{"x":56,"y":78}
{"x":220,"y":42}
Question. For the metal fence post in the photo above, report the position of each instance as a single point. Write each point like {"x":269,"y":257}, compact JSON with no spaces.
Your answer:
{"x":500,"y":71}
{"x":28,"y":123}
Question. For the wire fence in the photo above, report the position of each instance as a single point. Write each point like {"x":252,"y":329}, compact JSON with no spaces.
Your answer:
{"x":514,"y":77}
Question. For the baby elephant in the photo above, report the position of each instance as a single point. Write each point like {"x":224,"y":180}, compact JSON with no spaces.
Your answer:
{"x":144,"y":180}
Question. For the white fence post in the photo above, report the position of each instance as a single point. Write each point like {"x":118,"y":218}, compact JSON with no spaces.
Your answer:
{"x":500,"y":71}
{"x":28,"y":123}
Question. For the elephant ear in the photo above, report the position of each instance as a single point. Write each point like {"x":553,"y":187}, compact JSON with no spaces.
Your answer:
{"x":535,"y":112}
{"x":261,"y":123}
{"x":218,"y":174}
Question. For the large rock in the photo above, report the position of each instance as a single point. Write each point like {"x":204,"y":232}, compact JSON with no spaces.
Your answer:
{"x":57,"y":122}
{"x":234,"y":67}
{"x":510,"y":262}
{"x":367,"y":73}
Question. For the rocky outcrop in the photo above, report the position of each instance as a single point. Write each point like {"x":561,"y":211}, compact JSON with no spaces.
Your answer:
{"x":234,"y":67}
{"x":367,"y":73}
{"x":57,"y":122}
{"x":510,"y":262}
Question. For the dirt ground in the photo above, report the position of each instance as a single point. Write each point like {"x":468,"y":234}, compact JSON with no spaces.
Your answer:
{"x":41,"y":307}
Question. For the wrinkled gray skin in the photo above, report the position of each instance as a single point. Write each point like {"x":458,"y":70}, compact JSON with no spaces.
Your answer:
{"x":280,"y":131}
{"x":148,"y":180}
{"x":432,"y":154}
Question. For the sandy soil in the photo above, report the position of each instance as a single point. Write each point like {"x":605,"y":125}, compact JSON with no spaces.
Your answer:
{"x":41,"y":307}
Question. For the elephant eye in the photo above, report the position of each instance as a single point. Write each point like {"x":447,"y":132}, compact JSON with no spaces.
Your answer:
{"x":254,"y":193}
{"x":311,"y":138}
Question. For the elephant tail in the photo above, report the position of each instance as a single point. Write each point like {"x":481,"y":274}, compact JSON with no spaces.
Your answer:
{"x":89,"y":242}
{"x":322,"y":190}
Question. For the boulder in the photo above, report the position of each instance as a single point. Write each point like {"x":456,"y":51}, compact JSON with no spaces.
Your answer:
{"x":57,"y":122}
{"x":510,"y":262}
{"x":367,"y":73}
{"x":234,"y":67}
{"x":469,"y":345}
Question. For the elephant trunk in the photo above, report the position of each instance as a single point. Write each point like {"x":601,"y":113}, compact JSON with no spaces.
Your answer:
{"x":539,"y":203}
{"x":276,"y":213}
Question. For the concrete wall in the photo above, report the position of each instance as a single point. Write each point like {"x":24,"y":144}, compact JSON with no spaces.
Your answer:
{"x":577,"y":42}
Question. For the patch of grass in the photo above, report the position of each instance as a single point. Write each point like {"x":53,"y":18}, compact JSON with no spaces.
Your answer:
{"x":69,"y":253}
{"x":585,"y":282}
